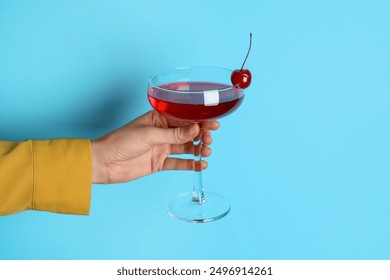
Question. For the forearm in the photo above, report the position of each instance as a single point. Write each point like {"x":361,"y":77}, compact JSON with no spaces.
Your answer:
{"x":47,"y":175}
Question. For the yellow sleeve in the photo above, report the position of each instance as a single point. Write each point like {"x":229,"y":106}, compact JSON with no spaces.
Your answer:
{"x":46,"y":175}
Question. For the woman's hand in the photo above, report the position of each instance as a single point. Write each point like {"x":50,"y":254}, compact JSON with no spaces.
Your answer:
{"x":142,"y":147}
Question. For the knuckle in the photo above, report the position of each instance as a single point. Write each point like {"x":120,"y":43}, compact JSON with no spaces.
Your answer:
{"x":177,"y":135}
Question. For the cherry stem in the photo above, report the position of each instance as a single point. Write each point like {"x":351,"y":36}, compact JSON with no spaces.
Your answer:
{"x":250,"y":46}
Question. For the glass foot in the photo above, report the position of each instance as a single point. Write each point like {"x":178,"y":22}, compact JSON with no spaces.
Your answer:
{"x":213,"y":207}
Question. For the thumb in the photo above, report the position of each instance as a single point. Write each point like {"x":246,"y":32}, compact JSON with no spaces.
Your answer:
{"x":176,"y":135}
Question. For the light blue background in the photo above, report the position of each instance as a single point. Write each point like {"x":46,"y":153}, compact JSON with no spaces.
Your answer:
{"x":305,"y":161}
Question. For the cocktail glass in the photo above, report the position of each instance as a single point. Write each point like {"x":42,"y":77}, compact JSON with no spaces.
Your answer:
{"x":195,"y":94}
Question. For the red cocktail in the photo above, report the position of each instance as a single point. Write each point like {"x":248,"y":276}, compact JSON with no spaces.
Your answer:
{"x":195,"y":94}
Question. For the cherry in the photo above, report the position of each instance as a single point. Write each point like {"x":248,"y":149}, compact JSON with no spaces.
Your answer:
{"x":242,"y":78}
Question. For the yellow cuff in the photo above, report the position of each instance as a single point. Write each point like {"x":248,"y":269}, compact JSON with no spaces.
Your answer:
{"x":16,"y":175}
{"x":62,"y":175}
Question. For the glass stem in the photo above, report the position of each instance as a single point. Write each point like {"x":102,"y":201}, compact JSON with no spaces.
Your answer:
{"x":197,"y":192}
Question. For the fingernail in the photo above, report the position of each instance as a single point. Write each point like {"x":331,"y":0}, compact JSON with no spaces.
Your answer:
{"x":191,"y":130}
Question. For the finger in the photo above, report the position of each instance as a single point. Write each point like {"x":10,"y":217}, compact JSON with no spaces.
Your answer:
{"x":206,"y":151}
{"x":210,"y":125}
{"x":182,"y":164}
{"x":188,"y":148}
{"x":205,"y":130}
{"x":206,"y":138}
{"x":177,"y":135}
{"x":197,"y":137}
{"x":154,"y":118}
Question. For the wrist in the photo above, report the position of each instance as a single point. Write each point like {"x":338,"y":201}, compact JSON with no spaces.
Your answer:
{"x":98,"y":167}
